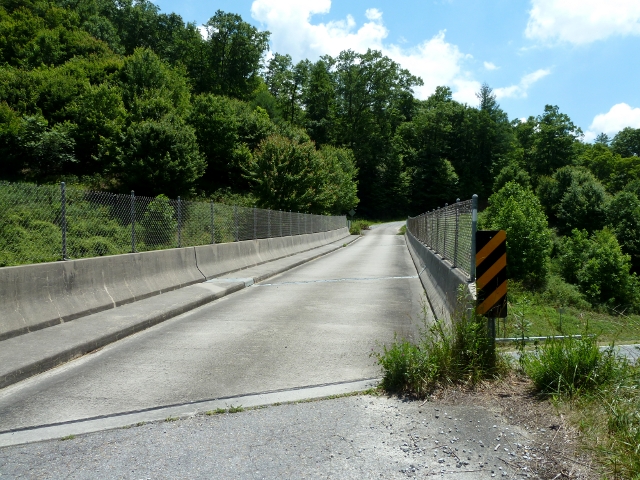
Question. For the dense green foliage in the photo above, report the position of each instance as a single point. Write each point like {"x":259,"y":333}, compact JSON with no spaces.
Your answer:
{"x":516,"y":210}
{"x":116,"y":95}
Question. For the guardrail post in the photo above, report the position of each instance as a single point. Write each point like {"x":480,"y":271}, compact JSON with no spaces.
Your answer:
{"x":179,"y":222}
{"x":213,"y":228}
{"x":133,"y":222}
{"x":474,"y":228}
{"x":63,"y":218}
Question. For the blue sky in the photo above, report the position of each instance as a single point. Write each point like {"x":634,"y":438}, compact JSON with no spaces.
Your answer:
{"x":581,"y":55}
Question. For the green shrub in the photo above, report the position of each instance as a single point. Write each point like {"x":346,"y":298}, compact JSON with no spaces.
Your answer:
{"x":623,"y":215}
{"x":358,"y":225}
{"x":447,"y":353}
{"x":568,"y":366}
{"x":516,"y":210}
{"x":158,"y":223}
{"x":559,"y":293}
{"x":601,"y":271}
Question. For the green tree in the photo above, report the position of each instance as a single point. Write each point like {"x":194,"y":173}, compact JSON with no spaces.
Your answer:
{"x":285,"y":81}
{"x":231,"y":57}
{"x":623,"y":216}
{"x":549,"y":141}
{"x":626,"y":142}
{"x":159,"y":156}
{"x":573,"y":198}
{"x":319,"y":100}
{"x":284,"y":174}
{"x":432,"y":178}
{"x":99,"y":117}
{"x":517,"y":210}
{"x":373,"y":97}
{"x":159,"y":225}
{"x":151,"y":88}
{"x":602,"y":272}
{"x":339,"y":188}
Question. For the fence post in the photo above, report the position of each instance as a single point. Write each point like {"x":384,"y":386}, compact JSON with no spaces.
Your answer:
{"x":133,"y":222}
{"x":455,"y":245}
{"x":213,"y":228}
{"x":255,"y":224}
{"x":290,"y":223}
{"x":179,"y":223}
{"x":444,"y":237}
{"x":474,"y":228}
{"x":235,"y":222}
{"x":268,"y":223}
{"x":437,"y":242}
{"x":280,"y":222}
{"x":63,"y":218}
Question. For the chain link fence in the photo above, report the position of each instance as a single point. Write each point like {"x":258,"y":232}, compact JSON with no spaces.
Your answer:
{"x":47,"y":223}
{"x":449,"y":232}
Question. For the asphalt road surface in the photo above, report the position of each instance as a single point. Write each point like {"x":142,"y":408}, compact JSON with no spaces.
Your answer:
{"x":313,"y":325}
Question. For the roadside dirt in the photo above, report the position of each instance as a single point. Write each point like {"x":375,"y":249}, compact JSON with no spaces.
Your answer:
{"x":555,"y":449}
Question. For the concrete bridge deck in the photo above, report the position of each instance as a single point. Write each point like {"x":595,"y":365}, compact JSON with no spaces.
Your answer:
{"x":315,"y":324}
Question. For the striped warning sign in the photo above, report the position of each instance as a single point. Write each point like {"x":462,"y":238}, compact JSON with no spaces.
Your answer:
{"x":491,"y":273}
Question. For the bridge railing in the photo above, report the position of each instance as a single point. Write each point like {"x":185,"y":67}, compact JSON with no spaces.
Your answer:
{"x":449,"y":232}
{"x":54,"y":222}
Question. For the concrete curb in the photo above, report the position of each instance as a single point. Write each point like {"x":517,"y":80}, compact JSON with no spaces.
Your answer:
{"x":159,"y":414}
{"x":27,"y":355}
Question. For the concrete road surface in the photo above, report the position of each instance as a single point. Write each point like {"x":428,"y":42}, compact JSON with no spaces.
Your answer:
{"x":313,"y":325}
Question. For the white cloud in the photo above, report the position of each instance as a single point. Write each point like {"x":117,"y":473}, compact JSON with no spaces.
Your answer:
{"x":292,"y":32}
{"x":582,"y":21}
{"x":373,"y":14}
{"x":435,"y":61}
{"x":521,"y":90}
{"x":618,"y":117}
{"x":490,"y":66}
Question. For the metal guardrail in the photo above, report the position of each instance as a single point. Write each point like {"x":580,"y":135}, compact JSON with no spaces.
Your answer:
{"x":450,"y":232}
{"x":54,"y":222}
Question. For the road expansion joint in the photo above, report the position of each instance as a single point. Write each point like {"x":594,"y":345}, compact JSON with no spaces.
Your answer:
{"x":37,"y":433}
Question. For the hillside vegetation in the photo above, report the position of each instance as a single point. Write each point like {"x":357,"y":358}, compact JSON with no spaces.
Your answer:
{"x":115,"y":95}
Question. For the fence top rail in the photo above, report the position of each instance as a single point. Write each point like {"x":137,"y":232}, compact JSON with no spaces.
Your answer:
{"x":464,"y":206}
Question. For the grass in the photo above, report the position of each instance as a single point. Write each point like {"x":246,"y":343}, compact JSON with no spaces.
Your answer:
{"x":68,"y":437}
{"x":457,"y":352}
{"x":220,"y":411}
{"x":403,"y":230}
{"x":598,"y":392}
{"x":171,"y":419}
{"x":560,"y":310}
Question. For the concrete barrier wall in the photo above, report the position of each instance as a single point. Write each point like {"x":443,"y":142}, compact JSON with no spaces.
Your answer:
{"x":41,"y":295}
{"x":220,"y":259}
{"x":442,"y":282}
{"x":45,"y":294}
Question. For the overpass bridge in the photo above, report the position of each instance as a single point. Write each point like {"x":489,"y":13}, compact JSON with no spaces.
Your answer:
{"x":301,"y":325}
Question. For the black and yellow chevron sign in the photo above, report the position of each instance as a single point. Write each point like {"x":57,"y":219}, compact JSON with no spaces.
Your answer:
{"x":491,"y":273}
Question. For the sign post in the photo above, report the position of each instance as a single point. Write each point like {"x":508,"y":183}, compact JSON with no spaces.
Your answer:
{"x":491,"y":278}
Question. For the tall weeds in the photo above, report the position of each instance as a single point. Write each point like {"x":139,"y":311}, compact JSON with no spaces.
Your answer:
{"x":448,"y":352}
